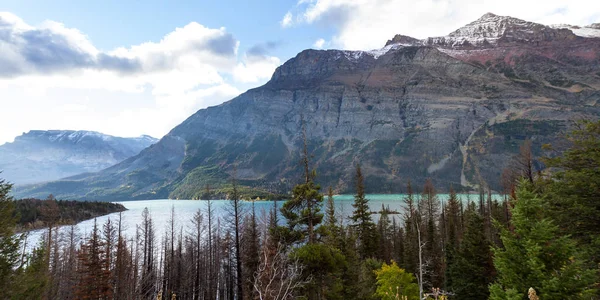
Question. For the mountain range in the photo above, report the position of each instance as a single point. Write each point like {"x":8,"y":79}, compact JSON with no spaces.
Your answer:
{"x":40,"y":156}
{"x":454,"y":109}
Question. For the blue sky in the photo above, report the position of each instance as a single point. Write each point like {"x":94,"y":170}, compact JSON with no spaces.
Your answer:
{"x":128,"y":68}
{"x":111,"y":24}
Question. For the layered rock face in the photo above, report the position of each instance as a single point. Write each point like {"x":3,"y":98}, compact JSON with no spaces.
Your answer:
{"x":39,"y":156}
{"x":454,"y":109}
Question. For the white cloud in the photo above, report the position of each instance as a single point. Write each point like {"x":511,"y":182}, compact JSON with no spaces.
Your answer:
{"x":255,"y":70}
{"x":368,"y":24}
{"x":53,"y":77}
{"x":287,"y":20}
{"x":319,"y":44}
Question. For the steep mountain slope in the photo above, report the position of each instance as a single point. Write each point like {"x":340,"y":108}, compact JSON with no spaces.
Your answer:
{"x":39,"y":156}
{"x":452,"y":108}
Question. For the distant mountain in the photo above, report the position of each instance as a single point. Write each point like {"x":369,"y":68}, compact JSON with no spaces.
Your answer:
{"x":453,"y":108}
{"x":592,"y":30}
{"x":496,"y":31}
{"x":39,"y":156}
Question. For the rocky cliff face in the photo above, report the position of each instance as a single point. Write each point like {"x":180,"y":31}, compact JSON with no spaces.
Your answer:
{"x":454,"y":109}
{"x":39,"y":156}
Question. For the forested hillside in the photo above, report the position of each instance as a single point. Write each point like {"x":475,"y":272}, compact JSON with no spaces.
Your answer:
{"x":540,"y":240}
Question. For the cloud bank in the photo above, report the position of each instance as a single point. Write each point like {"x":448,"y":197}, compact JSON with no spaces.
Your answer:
{"x":151,"y":87}
{"x":368,"y":24}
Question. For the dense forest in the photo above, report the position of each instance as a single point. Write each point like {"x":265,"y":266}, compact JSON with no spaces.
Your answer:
{"x":540,"y":241}
{"x":36,"y":213}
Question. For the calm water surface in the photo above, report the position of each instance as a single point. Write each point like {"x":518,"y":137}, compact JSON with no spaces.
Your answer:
{"x":160,"y":211}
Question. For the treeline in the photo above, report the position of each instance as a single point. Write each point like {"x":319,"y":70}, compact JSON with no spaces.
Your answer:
{"x":36,"y":213}
{"x":541,"y":241}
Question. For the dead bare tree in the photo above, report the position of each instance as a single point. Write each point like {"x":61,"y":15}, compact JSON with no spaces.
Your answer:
{"x":277,"y":277}
{"x":524,"y":161}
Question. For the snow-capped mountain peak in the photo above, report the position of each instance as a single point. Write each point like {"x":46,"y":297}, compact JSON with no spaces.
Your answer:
{"x":491,"y":29}
{"x":490,"y":26}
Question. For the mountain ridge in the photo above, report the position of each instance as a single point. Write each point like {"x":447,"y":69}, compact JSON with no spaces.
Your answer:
{"x":44,"y":155}
{"x":413,"y":110}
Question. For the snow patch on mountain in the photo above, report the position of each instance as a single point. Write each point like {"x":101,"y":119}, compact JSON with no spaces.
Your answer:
{"x":590,"y":31}
{"x":375,"y":53}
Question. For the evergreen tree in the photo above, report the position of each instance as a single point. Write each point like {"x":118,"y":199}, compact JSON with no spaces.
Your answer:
{"x":470,"y":270}
{"x":573,"y":189}
{"x":429,"y":207}
{"x":536,"y":255}
{"x":323,"y":265}
{"x":303,"y":211}
{"x":362,"y":222}
{"x":411,"y":223}
{"x":367,"y":279}
{"x":9,"y":242}
{"x":331,"y":229}
{"x":350,"y":273}
{"x":452,"y":240}
{"x":386,"y":235}
{"x":31,"y":281}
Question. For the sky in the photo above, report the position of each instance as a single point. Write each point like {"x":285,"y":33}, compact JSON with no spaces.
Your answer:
{"x":128,"y":68}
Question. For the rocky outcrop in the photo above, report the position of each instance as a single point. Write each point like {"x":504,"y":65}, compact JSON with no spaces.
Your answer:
{"x":450,"y":111}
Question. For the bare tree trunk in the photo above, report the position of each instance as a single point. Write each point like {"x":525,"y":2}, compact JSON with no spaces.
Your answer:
{"x":237,"y":215}
{"x":420,"y":262}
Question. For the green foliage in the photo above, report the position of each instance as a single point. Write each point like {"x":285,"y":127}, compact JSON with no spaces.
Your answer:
{"x":324,"y":264}
{"x":31,"y":212}
{"x":574,"y":189}
{"x":470,"y":270}
{"x":303,"y":211}
{"x":362,"y":222}
{"x":9,"y":242}
{"x":535,"y":254}
{"x":330,"y":229}
{"x":192,"y":186}
{"x":518,"y":128}
{"x":394,"y":282}
{"x":32,"y":280}
{"x":367,"y":280}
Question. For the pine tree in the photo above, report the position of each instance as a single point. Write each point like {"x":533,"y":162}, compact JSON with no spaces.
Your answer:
{"x":303,"y":211}
{"x":470,"y":270}
{"x":350,"y":272}
{"x":536,"y":255}
{"x":573,"y":189}
{"x":9,"y":242}
{"x":429,"y":207}
{"x":452,"y":237}
{"x":386,"y":235}
{"x":411,"y":223}
{"x":31,"y":281}
{"x":362,"y":222}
